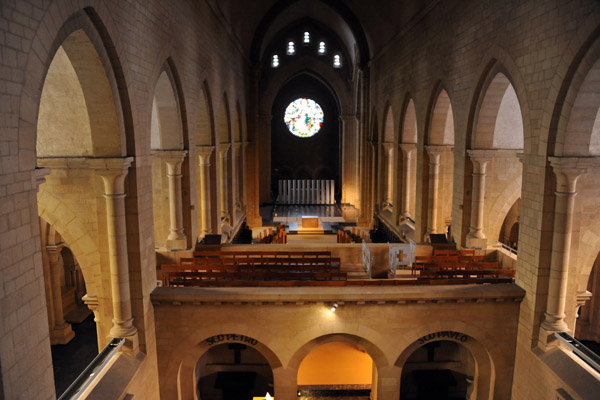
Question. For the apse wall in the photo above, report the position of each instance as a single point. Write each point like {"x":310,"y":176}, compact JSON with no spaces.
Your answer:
{"x":315,"y":157}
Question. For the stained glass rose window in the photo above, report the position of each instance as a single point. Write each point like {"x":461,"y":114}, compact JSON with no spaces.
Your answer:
{"x":303,"y":117}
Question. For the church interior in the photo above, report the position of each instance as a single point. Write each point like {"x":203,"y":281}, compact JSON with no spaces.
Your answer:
{"x":299,"y":199}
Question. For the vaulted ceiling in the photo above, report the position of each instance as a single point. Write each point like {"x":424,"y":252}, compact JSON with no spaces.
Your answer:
{"x":256,"y":22}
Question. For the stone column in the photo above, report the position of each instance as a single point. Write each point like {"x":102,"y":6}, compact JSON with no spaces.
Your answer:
{"x":388,"y":159}
{"x":480,"y":158}
{"x":223,"y":148}
{"x":204,"y":153}
{"x":350,"y":160}
{"x":174,"y":159}
{"x":93,"y":304}
{"x":113,"y":172}
{"x":434,"y":153}
{"x":388,"y":383}
{"x":407,"y":156}
{"x":61,"y":332}
{"x":285,"y":383}
{"x":237,"y":158}
{"x":567,"y":171}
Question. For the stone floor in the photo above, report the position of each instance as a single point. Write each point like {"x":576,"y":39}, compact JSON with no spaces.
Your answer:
{"x":69,"y":360}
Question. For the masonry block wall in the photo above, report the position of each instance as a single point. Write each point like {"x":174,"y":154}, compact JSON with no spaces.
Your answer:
{"x":455,"y":45}
{"x":294,"y":322}
{"x":135,"y":39}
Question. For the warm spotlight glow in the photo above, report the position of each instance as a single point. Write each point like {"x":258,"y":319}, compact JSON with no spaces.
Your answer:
{"x":334,"y":307}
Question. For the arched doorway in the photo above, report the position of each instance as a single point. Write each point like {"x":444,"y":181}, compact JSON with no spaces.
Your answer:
{"x":438,"y":370}
{"x":456,"y":365}
{"x":233,"y":371}
{"x":336,"y":370}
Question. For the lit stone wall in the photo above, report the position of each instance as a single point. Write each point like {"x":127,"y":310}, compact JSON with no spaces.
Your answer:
{"x":133,"y":40}
{"x":457,"y":45}
{"x":387,"y":323}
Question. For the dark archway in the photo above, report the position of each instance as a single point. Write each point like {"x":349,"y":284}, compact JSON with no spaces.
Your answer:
{"x":233,"y":371}
{"x":306,"y":156}
{"x":439,"y":370}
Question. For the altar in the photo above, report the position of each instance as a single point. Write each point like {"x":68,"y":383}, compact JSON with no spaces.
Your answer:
{"x":308,"y":220}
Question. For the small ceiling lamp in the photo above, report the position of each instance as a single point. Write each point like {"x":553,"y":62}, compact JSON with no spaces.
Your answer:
{"x":334,"y":307}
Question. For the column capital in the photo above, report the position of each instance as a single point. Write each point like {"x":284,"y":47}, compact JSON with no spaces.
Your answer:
{"x":113,"y":172}
{"x":54,"y":250}
{"x":223,"y":148}
{"x":493,"y":153}
{"x":91,"y":301}
{"x":204,"y":153}
{"x":237,"y":146}
{"x":480,"y":158}
{"x":435,"y":150}
{"x":388,"y":146}
{"x":38,"y":176}
{"x":583,"y":296}
{"x":568,"y":169}
{"x":171,"y":155}
{"x":348,"y":117}
{"x":407,"y":148}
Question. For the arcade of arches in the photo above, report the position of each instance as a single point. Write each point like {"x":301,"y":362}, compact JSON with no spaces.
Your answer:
{"x":133,"y":130}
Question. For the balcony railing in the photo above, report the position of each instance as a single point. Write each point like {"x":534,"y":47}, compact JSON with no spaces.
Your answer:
{"x":91,"y":372}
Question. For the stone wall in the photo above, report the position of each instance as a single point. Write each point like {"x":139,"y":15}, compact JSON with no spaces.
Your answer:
{"x":389,"y":324}
{"x":134,"y":41}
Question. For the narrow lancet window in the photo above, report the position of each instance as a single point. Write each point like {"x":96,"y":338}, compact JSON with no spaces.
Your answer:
{"x":321,"y":47}
{"x":306,"y":37}
{"x":291,"y":49}
{"x":337,"y":61}
{"x":275,"y":61}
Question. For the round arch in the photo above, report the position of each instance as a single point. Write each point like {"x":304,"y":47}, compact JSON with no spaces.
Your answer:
{"x":180,"y":372}
{"x":378,"y":356}
{"x":485,"y":369}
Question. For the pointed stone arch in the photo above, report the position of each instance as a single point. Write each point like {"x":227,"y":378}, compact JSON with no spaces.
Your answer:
{"x":438,"y":166}
{"x":388,"y":155}
{"x":170,"y":164}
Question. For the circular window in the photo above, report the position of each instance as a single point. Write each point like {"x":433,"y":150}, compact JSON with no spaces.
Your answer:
{"x":303,"y":117}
